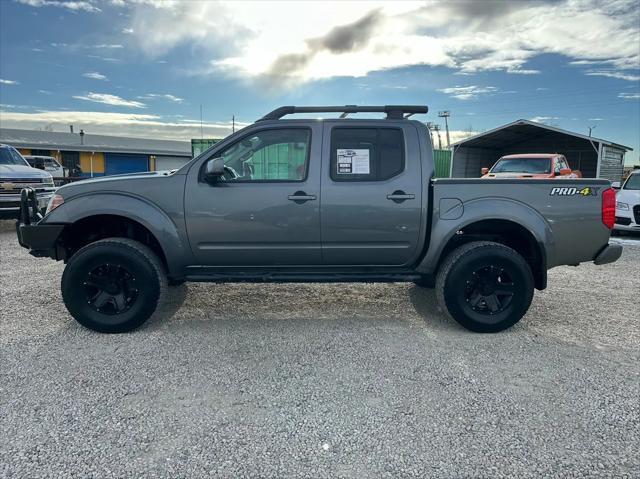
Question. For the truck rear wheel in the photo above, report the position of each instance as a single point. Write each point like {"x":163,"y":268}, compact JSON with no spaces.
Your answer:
{"x":485,"y":286}
{"x":113,"y":285}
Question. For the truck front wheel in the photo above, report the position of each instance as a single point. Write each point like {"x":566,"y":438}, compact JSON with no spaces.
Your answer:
{"x":485,"y":286}
{"x":113,"y":285}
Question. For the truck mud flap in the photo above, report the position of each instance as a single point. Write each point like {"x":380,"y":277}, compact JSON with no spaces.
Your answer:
{"x":608,"y":254}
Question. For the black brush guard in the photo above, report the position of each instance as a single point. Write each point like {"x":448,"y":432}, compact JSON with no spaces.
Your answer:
{"x":41,"y":239}
{"x":29,"y":209}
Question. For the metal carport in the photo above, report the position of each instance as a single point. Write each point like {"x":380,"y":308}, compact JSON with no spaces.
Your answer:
{"x":594,"y":157}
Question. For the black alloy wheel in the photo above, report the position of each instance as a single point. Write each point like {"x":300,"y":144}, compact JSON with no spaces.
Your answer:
{"x":489,"y":290}
{"x":110,"y":289}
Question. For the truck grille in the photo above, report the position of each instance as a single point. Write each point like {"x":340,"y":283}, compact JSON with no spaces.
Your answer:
{"x":636,"y":213}
{"x":13,"y":186}
{"x":9,"y":204}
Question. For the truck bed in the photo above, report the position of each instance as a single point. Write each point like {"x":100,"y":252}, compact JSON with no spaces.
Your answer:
{"x":564,"y":215}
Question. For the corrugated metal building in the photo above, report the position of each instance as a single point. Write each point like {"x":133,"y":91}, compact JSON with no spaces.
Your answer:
{"x":594,"y":157}
{"x":97,"y":155}
{"x":442,"y":163}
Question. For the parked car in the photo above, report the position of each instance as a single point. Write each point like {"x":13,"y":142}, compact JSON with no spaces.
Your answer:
{"x":534,"y":165}
{"x":16,"y":174}
{"x":311,"y":200}
{"x":48,"y":164}
{"x":628,"y":203}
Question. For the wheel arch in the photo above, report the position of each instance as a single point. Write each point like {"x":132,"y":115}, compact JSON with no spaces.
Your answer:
{"x":97,"y":216}
{"x":500,"y":220}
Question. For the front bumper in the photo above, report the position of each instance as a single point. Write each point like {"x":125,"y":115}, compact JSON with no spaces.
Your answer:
{"x":40,"y":239}
{"x":628,"y":220}
{"x":10,"y":204}
{"x":609,"y":254}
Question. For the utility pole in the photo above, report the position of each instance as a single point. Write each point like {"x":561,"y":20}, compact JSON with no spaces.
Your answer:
{"x":233,"y":124}
{"x":446,"y":114}
{"x":437,"y":129}
{"x":201,"y":131}
{"x":430,"y":128}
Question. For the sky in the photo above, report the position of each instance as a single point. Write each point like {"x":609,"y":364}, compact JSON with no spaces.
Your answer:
{"x":147,"y":68}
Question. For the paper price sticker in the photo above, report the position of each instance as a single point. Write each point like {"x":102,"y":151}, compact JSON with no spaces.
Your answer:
{"x":353,"y":162}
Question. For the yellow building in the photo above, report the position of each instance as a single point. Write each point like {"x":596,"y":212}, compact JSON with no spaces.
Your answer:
{"x":89,"y":155}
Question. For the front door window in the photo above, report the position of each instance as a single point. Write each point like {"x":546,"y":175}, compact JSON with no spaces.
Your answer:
{"x":270,"y":155}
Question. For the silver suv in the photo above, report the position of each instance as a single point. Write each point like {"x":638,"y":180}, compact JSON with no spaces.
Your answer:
{"x":16,"y":174}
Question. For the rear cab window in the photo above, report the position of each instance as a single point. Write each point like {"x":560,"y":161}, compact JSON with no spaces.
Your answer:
{"x":366,"y":154}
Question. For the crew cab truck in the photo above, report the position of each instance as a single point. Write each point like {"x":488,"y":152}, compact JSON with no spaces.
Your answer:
{"x":310,"y":200}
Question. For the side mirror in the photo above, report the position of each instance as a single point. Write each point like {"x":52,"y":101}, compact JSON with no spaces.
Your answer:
{"x":565,"y":171}
{"x":213,"y":170}
{"x":484,"y":171}
{"x":616,"y":185}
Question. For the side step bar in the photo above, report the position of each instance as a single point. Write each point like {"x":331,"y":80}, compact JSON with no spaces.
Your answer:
{"x":302,"y":277}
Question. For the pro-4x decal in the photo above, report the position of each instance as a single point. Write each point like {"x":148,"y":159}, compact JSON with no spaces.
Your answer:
{"x":573,"y":190}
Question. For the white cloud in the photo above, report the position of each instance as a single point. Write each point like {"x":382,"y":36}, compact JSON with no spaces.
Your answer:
{"x":123,"y":124}
{"x":294,"y":42}
{"x":109,"y":99}
{"x":73,"y":5}
{"x":107,"y":45}
{"x":468,"y":92}
{"x":629,"y":96}
{"x":454,"y":136}
{"x":8,"y":82}
{"x":166,"y":96}
{"x":614,"y":74}
{"x":544,"y":119}
{"x":105,"y":59}
{"x":127,"y":31}
{"x":95,"y":76}
{"x":14,"y":107}
{"x":44,"y":92}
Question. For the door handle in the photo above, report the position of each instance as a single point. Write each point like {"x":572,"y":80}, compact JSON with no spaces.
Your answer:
{"x":300,"y":197}
{"x":399,"y":196}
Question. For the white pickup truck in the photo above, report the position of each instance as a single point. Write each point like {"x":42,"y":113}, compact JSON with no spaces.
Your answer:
{"x":16,"y":174}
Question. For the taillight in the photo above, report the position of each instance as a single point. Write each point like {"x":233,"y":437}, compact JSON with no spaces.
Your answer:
{"x":54,"y":202}
{"x":609,"y":207}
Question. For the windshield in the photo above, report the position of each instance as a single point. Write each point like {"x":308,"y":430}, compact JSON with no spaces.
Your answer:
{"x":633,"y":182}
{"x":9,"y":156}
{"x":42,"y":161}
{"x":522,"y":165}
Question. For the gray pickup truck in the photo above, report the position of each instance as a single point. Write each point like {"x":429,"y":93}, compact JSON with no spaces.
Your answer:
{"x":309,"y":200}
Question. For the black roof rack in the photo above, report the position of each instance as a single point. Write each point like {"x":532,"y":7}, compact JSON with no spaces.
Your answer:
{"x":394,"y":112}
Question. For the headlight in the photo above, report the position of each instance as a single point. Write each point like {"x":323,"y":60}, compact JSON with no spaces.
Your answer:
{"x":48,"y":181}
{"x":621,"y":206}
{"x":54,"y":202}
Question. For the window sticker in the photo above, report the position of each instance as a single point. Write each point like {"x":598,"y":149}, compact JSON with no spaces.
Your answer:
{"x":353,"y":162}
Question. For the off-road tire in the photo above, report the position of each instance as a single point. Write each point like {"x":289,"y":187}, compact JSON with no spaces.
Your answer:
{"x":458,"y":275}
{"x":139,"y":262}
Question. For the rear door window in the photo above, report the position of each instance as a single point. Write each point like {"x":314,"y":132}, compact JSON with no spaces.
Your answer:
{"x":366,"y":154}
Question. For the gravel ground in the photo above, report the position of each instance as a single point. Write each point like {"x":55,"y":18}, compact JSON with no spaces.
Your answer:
{"x":343,"y":380}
